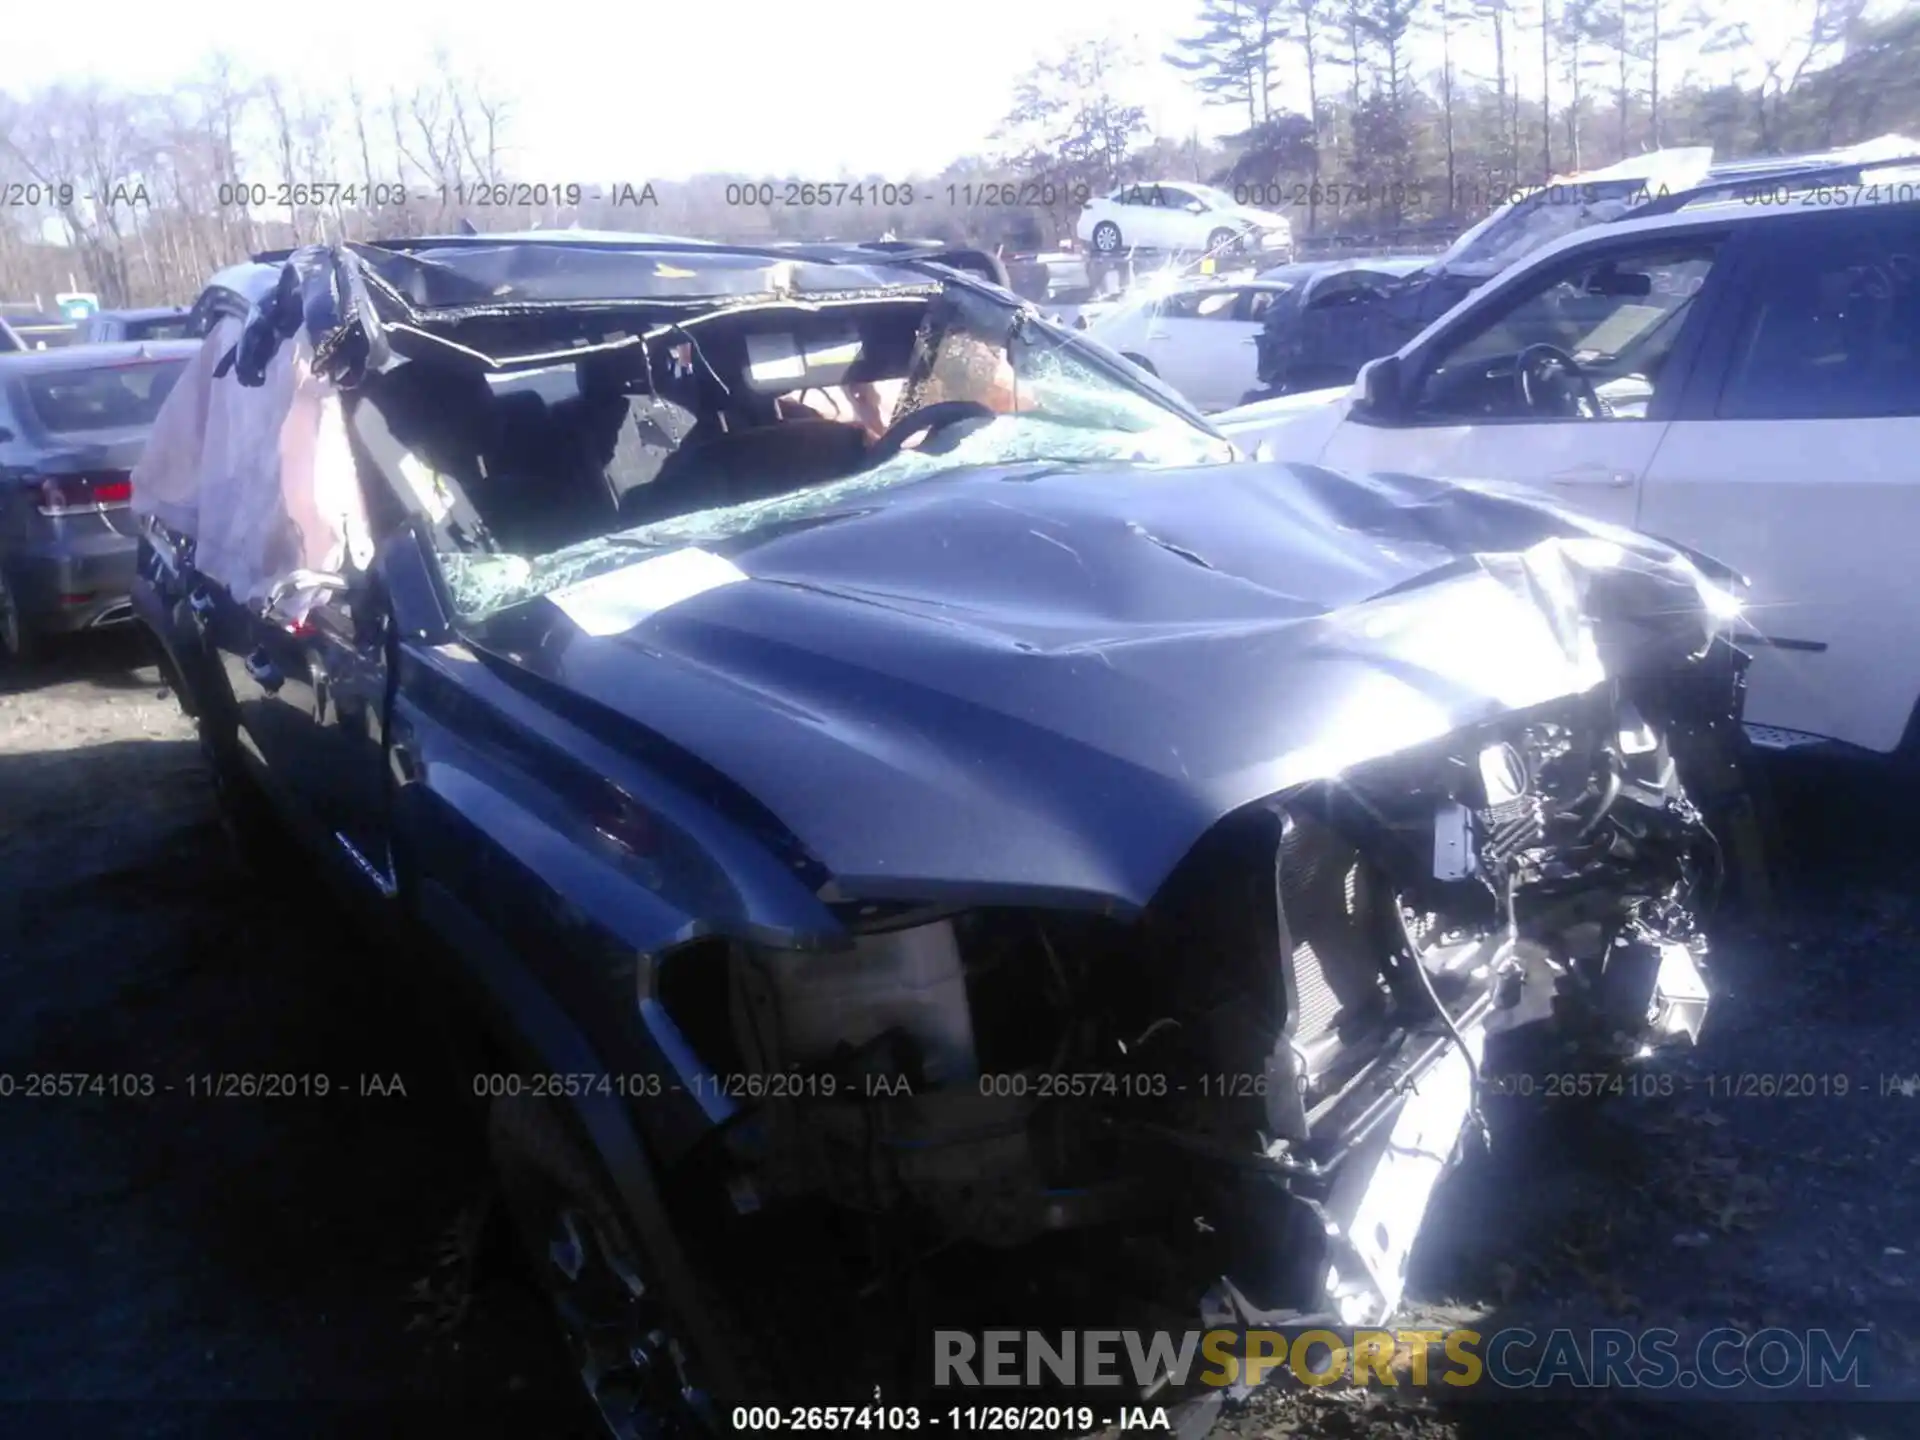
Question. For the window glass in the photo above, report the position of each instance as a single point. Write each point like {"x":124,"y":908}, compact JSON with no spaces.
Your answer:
{"x":172,"y":327}
{"x":1049,"y":400}
{"x":1833,"y":331}
{"x":1259,"y":302}
{"x":73,"y":401}
{"x":1515,"y":231}
{"x":1200,"y":305}
{"x":1614,"y":316}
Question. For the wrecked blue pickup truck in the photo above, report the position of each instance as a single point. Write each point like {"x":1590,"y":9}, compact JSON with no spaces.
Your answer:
{"x":928,"y":822}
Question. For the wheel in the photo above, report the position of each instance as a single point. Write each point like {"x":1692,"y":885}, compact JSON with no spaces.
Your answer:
{"x":19,"y":642}
{"x":1106,"y":237}
{"x":1140,"y":360}
{"x":636,"y":1358}
{"x":1219,"y":240}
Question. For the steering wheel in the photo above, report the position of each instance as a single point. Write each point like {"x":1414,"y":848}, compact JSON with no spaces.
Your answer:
{"x":928,"y":418}
{"x":1539,"y":382}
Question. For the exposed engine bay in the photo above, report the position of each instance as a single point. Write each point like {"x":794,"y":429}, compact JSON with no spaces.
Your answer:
{"x":1224,"y":1071}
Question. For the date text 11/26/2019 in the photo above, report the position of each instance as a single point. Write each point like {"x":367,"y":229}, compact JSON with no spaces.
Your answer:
{"x":211,"y":1085}
{"x":1658,"y":1084}
{"x":887,"y":1419}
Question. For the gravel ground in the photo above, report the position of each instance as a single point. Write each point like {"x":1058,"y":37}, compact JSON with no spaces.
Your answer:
{"x":172,"y":1264}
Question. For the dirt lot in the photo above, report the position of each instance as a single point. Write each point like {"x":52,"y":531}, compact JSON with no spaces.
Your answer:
{"x":174,"y":1264}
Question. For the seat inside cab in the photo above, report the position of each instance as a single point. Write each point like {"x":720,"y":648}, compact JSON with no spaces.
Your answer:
{"x":721,"y":410}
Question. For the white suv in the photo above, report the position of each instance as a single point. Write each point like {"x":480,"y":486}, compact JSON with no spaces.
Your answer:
{"x":1740,"y":375}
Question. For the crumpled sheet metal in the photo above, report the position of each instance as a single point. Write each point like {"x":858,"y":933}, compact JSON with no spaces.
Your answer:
{"x":1078,"y":672}
{"x":323,"y":293}
{"x":259,"y":475}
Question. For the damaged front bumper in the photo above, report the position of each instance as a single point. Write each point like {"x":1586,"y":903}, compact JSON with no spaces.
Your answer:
{"x":1370,"y":1184}
{"x":1270,"y":1073}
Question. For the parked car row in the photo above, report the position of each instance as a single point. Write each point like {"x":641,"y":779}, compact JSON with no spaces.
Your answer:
{"x":1211,"y":339}
{"x":834,"y":685}
{"x":1362,"y":308}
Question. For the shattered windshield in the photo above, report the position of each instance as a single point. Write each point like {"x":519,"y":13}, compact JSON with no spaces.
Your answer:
{"x":1030,"y":393}
{"x":1538,"y":220}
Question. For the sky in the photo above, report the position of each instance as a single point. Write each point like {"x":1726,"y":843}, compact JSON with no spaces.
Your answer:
{"x":606,"y":90}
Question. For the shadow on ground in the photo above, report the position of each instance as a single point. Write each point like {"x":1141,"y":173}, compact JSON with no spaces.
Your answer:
{"x":175,"y":1258}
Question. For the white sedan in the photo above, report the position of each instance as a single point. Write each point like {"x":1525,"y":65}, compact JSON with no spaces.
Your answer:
{"x":1198,"y":338}
{"x":1179,"y":215}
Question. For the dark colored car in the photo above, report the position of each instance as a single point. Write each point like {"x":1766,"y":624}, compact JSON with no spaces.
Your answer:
{"x":161,"y":322}
{"x":1300,"y":344}
{"x":72,"y":423}
{"x":1042,"y":865}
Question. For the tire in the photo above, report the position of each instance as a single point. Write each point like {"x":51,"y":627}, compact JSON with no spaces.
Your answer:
{"x":585,"y":1257}
{"x":20,"y":644}
{"x":1221,"y":240}
{"x":1140,"y":360}
{"x":1106,"y":238}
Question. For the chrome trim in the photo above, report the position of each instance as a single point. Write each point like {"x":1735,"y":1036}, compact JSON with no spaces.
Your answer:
{"x":118,"y":614}
{"x":382,"y":879}
{"x":98,"y":507}
{"x":325,"y":581}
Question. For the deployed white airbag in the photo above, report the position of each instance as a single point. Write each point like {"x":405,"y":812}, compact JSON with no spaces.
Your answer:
{"x":261,"y":478}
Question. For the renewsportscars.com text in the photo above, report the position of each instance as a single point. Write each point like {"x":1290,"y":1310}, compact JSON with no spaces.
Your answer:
{"x":1514,"y":1358}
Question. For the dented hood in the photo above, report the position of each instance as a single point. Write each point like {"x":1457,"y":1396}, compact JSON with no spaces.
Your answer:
{"x":1045,"y":684}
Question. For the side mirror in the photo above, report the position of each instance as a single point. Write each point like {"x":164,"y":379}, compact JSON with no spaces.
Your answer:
{"x":1380,"y":385}
{"x":1195,"y":207}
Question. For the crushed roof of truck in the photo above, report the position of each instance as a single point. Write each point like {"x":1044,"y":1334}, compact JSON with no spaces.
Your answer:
{"x":557,"y":268}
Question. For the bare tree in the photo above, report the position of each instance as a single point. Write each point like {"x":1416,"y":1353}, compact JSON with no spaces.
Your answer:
{"x":140,"y":196}
{"x":1578,"y":22}
{"x":1546,"y":90}
{"x":1497,"y":14}
{"x":1071,"y":124}
{"x":1448,"y":136}
{"x":1311,"y":15}
{"x":272,"y":93}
